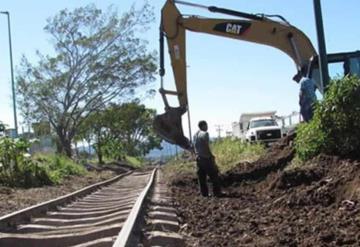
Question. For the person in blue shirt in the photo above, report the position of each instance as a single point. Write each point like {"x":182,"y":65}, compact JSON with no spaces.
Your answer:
{"x":205,"y":161}
{"x":307,"y":96}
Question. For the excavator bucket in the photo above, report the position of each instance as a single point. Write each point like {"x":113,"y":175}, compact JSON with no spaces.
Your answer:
{"x":168,"y":125}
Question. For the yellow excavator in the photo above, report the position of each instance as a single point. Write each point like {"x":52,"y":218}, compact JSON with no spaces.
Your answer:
{"x":260,"y":28}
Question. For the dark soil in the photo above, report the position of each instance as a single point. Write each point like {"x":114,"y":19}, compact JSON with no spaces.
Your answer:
{"x":13,"y":199}
{"x":317,"y":205}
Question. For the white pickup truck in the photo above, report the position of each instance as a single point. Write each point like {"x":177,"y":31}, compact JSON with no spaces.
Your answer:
{"x":263,"y":129}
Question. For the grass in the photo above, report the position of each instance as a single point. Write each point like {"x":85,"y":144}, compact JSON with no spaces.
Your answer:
{"x":228,"y":152}
{"x":179,"y":167}
{"x":134,"y":161}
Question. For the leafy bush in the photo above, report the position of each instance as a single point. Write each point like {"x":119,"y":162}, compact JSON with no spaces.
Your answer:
{"x":114,"y":149}
{"x":19,"y":169}
{"x":59,"y":166}
{"x":16,"y":167}
{"x":335,"y":128}
{"x":310,"y":139}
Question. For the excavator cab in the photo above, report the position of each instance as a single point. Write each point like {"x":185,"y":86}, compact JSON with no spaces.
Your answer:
{"x":344,"y":63}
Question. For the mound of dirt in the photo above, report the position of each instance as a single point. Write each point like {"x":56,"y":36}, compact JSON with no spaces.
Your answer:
{"x":325,"y":181}
{"x":317,"y":205}
{"x":277,"y":157}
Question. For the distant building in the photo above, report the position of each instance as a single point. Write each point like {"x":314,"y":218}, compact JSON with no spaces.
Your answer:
{"x":43,"y":144}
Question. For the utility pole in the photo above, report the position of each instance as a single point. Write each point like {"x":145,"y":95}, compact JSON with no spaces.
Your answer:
{"x":323,"y":64}
{"x":218,"y":129}
{"x":12,"y":73}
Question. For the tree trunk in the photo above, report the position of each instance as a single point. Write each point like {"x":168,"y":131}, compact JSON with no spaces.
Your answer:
{"x":65,"y":145}
{"x":76,"y":150}
{"x":99,"y":146}
{"x":67,"y":148}
{"x":99,"y":153}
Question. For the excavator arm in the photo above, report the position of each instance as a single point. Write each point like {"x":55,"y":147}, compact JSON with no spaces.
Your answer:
{"x":247,"y":27}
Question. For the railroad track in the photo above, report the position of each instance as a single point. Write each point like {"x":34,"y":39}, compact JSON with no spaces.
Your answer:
{"x":104,"y":217}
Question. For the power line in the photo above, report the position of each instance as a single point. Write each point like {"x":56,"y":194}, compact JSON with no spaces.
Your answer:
{"x":218,"y":129}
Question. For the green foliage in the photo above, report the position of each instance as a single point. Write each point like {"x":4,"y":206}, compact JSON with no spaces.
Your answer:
{"x":335,"y":128}
{"x":133,"y":161}
{"x":41,"y":128}
{"x":12,"y":154}
{"x":59,"y":166}
{"x":19,"y":169}
{"x":98,"y":58}
{"x":113,"y":149}
{"x":131,"y":124}
{"x":310,"y":139}
{"x":121,"y":130}
{"x":229,"y":152}
{"x":2,"y":127}
{"x":16,"y":166}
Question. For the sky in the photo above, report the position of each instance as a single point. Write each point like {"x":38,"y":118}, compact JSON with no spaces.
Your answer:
{"x":225,"y":77}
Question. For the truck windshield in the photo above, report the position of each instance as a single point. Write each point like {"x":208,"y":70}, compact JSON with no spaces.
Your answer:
{"x":262,"y":123}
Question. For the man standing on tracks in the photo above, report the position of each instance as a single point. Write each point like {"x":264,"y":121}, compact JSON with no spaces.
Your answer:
{"x":205,"y":161}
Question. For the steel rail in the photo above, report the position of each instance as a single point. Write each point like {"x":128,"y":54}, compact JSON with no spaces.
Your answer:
{"x":24,"y":214}
{"x":124,"y":236}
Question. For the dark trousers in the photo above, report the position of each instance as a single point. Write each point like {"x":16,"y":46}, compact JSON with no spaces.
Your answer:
{"x":206,"y":167}
{"x":307,"y":112}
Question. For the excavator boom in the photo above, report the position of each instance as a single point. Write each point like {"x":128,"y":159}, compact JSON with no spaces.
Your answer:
{"x":246,"y":27}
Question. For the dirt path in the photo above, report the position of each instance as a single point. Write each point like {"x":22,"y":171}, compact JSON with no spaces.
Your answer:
{"x":313,"y":206}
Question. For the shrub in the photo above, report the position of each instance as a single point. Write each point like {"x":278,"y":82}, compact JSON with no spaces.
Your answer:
{"x":19,"y":169}
{"x":335,"y":129}
{"x":59,"y":166}
{"x":310,"y":139}
{"x":16,"y":166}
